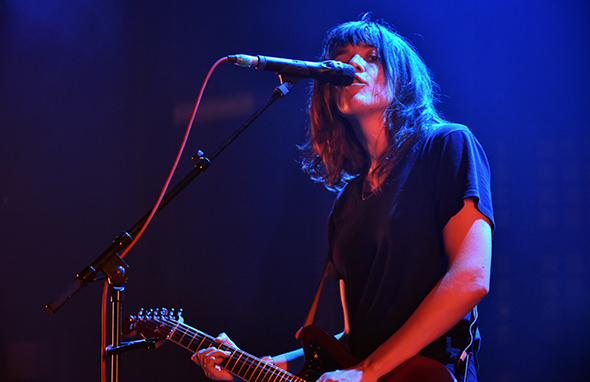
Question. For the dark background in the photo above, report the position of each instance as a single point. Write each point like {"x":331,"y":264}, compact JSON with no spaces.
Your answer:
{"x":95,"y":99}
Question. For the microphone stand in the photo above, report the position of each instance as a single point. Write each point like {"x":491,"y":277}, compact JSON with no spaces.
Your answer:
{"x":116,"y":270}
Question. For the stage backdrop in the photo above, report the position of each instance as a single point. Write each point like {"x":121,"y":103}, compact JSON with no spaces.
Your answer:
{"x":96,"y":96}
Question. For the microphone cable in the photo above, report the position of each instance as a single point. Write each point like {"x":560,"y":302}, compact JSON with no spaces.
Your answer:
{"x":153,"y":212}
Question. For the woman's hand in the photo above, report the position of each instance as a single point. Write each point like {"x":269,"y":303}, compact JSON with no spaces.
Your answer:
{"x":348,"y":375}
{"x":209,"y":359}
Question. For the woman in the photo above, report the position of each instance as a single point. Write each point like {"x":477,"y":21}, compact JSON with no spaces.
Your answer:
{"x":410,"y":231}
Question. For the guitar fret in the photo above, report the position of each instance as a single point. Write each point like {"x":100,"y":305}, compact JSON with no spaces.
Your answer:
{"x":171,"y":332}
{"x":276,"y":374}
{"x":236,"y":361}
{"x":259,"y":371}
{"x":198,"y":346}
{"x":269,"y":374}
{"x":187,"y":341}
{"x":249,"y":371}
{"x":183,"y":335}
{"x":289,"y":377}
{"x":192,"y":338}
{"x":253,"y":369}
{"x":247,"y":375}
{"x":176,"y":335}
{"x":255,"y":372}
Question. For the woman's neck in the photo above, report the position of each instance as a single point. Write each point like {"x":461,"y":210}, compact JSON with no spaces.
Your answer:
{"x":371,"y":132}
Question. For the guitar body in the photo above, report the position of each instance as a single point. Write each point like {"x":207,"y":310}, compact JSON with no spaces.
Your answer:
{"x":325,"y":353}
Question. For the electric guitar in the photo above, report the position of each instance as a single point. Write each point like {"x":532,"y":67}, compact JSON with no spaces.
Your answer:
{"x":322,"y":352}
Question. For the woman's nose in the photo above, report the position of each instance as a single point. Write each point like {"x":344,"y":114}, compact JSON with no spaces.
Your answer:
{"x":358,"y":63}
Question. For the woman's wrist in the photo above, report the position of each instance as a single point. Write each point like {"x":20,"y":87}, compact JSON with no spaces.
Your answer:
{"x":369,"y":370}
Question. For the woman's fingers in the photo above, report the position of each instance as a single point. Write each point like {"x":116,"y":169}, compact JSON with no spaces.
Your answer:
{"x":210,"y":359}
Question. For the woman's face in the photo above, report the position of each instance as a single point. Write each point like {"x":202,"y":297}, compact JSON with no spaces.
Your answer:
{"x":369,"y":92}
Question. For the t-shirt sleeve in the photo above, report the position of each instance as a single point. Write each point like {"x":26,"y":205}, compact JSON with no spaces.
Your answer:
{"x":462,"y":171}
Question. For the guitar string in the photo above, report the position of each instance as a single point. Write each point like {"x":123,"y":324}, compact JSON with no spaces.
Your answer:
{"x":255,"y":366}
{"x":252,"y":363}
{"x":249,"y":363}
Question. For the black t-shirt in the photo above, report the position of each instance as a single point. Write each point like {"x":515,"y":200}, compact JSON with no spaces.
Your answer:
{"x":389,"y":247}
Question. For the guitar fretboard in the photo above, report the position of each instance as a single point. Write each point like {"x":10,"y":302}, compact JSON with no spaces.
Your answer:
{"x":240,"y":363}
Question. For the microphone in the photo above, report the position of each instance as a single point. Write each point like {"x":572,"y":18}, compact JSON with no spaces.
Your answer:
{"x":332,"y":72}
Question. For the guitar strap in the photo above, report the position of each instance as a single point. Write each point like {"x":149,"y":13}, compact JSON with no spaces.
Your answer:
{"x":314,"y":304}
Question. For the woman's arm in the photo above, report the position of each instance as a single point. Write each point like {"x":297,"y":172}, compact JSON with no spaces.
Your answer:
{"x":467,"y":239}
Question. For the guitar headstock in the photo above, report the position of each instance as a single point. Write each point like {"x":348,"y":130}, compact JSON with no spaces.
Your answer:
{"x":153,"y":323}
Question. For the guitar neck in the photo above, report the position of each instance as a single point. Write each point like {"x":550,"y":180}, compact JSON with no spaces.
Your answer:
{"x":240,"y":363}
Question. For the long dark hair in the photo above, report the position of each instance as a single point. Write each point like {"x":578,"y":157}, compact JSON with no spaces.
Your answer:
{"x":333,"y":154}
